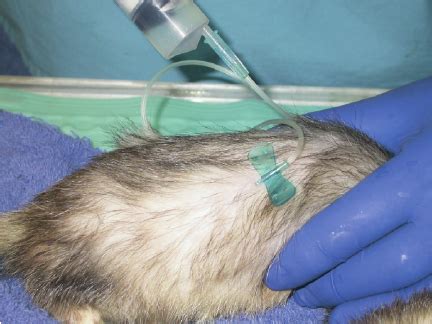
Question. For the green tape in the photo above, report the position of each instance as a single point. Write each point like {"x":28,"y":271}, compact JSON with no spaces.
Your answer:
{"x":279,"y":189}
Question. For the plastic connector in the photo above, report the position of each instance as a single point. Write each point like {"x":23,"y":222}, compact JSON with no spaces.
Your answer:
{"x":279,"y":189}
{"x":225,"y":53}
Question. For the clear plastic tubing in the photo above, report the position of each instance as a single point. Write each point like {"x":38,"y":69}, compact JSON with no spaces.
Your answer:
{"x":287,"y":120}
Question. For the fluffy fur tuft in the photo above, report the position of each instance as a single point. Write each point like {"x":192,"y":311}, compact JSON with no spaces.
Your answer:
{"x":418,"y":310}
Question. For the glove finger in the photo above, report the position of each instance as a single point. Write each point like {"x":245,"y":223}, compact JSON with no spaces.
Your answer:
{"x":358,"y":308}
{"x":396,"y":261}
{"x":388,"y":118}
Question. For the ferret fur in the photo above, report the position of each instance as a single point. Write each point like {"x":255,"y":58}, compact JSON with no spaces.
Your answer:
{"x":175,"y":229}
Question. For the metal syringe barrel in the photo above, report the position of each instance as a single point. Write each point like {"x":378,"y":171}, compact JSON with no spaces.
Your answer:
{"x":173,"y":26}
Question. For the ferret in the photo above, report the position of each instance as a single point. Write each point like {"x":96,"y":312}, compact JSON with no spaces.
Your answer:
{"x":176,"y":229}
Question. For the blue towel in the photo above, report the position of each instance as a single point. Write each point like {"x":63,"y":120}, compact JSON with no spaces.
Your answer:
{"x":33,"y":156}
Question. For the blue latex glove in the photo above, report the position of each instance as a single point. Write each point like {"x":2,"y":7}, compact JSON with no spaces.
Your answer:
{"x":375,"y":243}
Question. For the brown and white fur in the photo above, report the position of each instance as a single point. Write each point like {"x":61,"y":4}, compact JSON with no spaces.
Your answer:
{"x":174,"y":228}
{"x":417,"y":310}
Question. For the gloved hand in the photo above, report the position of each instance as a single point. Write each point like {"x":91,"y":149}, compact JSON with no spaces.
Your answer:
{"x":375,"y":243}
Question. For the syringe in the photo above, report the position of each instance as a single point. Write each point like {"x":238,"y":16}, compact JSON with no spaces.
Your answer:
{"x":176,"y":26}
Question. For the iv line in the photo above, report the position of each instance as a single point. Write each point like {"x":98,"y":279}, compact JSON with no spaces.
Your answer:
{"x":287,"y":120}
